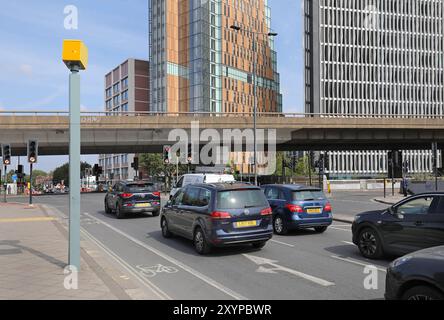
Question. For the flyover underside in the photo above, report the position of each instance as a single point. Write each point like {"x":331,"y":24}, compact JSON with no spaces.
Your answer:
{"x":139,"y":134}
{"x":110,"y":141}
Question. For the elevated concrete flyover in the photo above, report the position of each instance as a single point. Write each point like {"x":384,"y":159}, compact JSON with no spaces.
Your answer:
{"x":148,"y":132}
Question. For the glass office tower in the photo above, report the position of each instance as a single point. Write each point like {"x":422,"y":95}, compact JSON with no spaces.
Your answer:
{"x":199,"y":64}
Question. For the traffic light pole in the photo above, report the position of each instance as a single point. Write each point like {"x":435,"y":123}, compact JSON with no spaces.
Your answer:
{"x":74,"y":168}
{"x":30,"y":184}
{"x":5,"y":183}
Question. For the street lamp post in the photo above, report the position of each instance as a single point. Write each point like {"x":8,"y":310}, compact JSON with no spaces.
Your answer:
{"x":255,"y":37}
{"x":75,"y":56}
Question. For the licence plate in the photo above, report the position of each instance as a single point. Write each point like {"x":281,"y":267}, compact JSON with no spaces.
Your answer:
{"x":143,"y":205}
{"x":246,"y":224}
{"x":314,"y":211}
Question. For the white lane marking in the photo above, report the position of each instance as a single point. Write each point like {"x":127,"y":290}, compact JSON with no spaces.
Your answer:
{"x":341,"y":225}
{"x":181,"y":265}
{"x":159,"y":292}
{"x":275,"y":267}
{"x":362,"y":264}
{"x":348,"y":242}
{"x":282,"y":243}
{"x":341,"y":229}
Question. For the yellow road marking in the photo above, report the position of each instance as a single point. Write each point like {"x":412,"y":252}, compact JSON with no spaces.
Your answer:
{"x":35,"y":219}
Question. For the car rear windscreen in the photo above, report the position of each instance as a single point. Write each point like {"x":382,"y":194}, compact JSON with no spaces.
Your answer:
{"x":308,"y":195}
{"x":241,"y":199}
{"x":137,"y":188}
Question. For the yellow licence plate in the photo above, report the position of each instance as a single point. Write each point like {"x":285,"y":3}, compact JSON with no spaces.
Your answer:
{"x":314,"y":211}
{"x":246,"y":224}
{"x":143,"y":205}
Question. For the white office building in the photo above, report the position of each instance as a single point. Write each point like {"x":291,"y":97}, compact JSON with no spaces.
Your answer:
{"x":374,"y":57}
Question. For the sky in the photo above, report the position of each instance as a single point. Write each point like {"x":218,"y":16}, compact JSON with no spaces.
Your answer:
{"x":33,"y":77}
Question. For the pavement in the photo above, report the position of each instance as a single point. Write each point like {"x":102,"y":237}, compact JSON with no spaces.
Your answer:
{"x":390,"y":200}
{"x":301,"y":265}
{"x":34,"y":255}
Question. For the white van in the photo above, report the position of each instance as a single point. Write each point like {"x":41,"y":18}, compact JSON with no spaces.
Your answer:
{"x":197,"y":178}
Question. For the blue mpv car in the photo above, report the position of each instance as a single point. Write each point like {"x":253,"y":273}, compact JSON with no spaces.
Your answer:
{"x":298,"y":207}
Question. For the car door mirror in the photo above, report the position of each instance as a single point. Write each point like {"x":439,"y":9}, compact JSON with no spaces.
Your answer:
{"x":169,"y":203}
{"x":394,"y":212}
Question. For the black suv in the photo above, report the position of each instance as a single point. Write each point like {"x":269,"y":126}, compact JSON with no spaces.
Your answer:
{"x":219,"y":215}
{"x":133,"y":197}
{"x":413,"y":224}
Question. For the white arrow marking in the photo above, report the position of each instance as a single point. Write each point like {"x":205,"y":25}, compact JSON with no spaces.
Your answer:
{"x":263,"y":261}
{"x":265,"y":270}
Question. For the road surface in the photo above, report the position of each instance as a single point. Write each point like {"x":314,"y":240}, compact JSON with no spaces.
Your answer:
{"x":301,"y":265}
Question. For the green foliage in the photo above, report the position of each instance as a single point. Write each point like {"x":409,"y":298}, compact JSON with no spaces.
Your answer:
{"x":302,"y":167}
{"x":154,"y":165}
{"x":62,"y":173}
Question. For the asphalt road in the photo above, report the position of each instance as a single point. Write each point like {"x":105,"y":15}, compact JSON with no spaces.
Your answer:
{"x":301,"y":265}
{"x":350,"y":203}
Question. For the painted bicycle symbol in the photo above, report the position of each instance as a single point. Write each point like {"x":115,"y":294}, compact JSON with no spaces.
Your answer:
{"x":151,"y":272}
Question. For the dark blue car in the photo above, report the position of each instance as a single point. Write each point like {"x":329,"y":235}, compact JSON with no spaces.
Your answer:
{"x":298,"y":207}
{"x":216,"y":215}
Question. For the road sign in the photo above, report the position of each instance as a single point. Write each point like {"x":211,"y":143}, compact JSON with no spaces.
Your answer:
{"x":14,"y":178}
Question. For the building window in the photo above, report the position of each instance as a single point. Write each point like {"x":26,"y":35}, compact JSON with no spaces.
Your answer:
{"x":116,"y":88}
{"x":125,"y":95}
{"x":125,"y":83}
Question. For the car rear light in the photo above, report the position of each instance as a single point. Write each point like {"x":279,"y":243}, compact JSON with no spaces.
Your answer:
{"x":294,"y":208}
{"x":156,"y":194}
{"x":327,"y":207}
{"x":220,"y":215}
{"x":128,"y":205}
{"x":267,"y":212}
{"x":126,"y":195}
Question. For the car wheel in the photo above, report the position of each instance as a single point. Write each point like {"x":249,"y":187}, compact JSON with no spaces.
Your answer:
{"x":279,"y":226}
{"x":369,"y":244}
{"x":320,"y":229}
{"x":259,"y":245}
{"x":166,"y":233}
{"x":119,"y":213}
{"x":107,"y":209}
{"x":156,"y":213}
{"x":422,"y":293}
{"x":200,"y":242}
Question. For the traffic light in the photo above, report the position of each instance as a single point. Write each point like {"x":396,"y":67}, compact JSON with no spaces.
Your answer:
{"x":395,"y":165}
{"x":33,"y":150}
{"x":6,"y":152}
{"x":135,"y":164}
{"x":327,"y":162}
{"x":166,"y":154}
{"x":96,"y":170}
{"x":19,"y":169}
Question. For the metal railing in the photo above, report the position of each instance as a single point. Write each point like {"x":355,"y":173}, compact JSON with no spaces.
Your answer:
{"x":220,"y":114}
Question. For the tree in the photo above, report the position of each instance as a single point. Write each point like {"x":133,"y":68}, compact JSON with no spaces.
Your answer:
{"x":39,"y":173}
{"x":302,"y":167}
{"x":62,"y":173}
{"x":154,"y":165}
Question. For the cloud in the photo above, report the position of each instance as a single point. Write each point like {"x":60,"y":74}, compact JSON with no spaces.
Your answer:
{"x":46,"y":101}
{"x":26,"y":69}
